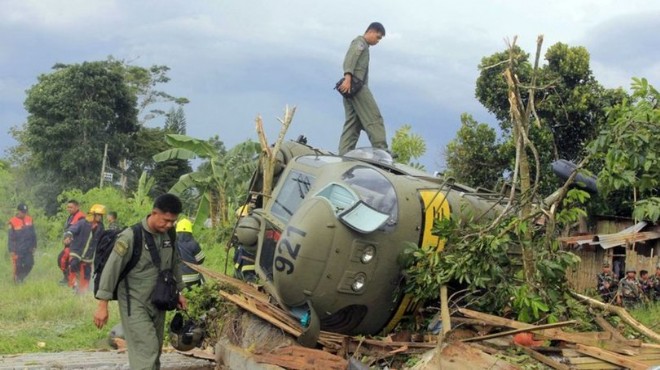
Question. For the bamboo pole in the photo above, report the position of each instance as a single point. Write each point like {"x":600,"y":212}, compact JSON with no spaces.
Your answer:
{"x":509,"y":332}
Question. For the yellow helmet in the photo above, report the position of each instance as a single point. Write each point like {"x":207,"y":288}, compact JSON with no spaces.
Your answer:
{"x":97,"y":209}
{"x":184,"y":226}
{"x":242,"y":211}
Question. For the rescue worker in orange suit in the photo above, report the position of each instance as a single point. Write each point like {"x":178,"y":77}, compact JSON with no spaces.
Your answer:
{"x":75,"y":215}
{"x":22,"y":242}
{"x":86,"y":234}
{"x":189,"y":251}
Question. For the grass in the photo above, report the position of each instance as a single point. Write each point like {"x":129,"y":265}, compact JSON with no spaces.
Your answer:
{"x":649,"y":315}
{"x":40,"y":315}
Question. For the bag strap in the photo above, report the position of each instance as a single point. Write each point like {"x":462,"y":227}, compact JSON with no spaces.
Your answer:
{"x":153,"y":250}
{"x":135,"y":256}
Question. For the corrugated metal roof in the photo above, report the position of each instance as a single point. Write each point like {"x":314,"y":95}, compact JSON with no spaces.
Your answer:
{"x":629,"y":235}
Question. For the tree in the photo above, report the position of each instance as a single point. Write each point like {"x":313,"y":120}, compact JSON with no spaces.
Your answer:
{"x":142,"y":83}
{"x":573,"y":104}
{"x":77,"y":109}
{"x":629,"y":147}
{"x":407,"y":146}
{"x":474,"y":157}
{"x":72,"y":113}
{"x":570,"y":104}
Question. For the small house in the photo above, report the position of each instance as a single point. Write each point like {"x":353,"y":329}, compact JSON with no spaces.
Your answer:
{"x":620,"y":242}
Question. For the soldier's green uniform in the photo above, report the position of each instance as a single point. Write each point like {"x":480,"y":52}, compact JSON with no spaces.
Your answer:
{"x":655,"y":286}
{"x":607,"y":285}
{"x":630,"y":291}
{"x":144,"y":326}
{"x":361,"y":111}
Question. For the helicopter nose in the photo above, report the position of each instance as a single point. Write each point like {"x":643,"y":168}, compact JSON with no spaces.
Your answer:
{"x":303,"y":251}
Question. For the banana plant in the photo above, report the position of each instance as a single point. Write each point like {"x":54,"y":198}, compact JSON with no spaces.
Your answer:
{"x":219,"y":183}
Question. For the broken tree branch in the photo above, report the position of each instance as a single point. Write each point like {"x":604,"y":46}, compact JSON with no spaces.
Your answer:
{"x":623,"y":314}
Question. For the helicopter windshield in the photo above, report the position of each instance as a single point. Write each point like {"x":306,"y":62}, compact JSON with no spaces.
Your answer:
{"x":295,"y":188}
{"x":374,"y":190}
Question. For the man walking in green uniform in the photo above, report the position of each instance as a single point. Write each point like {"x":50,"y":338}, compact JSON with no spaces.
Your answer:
{"x":143,"y":323}
{"x":361,"y":110}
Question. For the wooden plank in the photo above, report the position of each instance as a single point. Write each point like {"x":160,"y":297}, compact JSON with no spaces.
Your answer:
{"x":586,"y":360}
{"x":647,"y":357}
{"x":542,"y":358}
{"x":570,"y":353}
{"x":594,"y":339}
{"x":509,"y":332}
{"x":611,"y":357}
{"x":600,"y":366}
{"x":605,"y":325}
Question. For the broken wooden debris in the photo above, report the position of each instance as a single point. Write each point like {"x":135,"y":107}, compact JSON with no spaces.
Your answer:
{"x":543,"y":358}
{"x":300,"y":358}
{"x":611,"y":357}
{"x":593,"y":350}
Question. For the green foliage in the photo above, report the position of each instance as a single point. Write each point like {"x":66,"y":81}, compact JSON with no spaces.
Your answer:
{"x":574,"y":105}
{"x":571,"y":107}
{"x":486,"y":264}
{"x":475,"y":157}
{"x":629,"y":146}
{"x":74,"y":111}
{"x":220,"y":184}
{"x":491,"y":88}
{"x":407,"y":146}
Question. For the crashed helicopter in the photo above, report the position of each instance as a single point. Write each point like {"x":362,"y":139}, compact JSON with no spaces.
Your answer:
{"x":328,"y":243}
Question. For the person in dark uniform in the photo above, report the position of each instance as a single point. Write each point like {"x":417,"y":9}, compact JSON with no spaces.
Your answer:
{"x":86,"y":235}
{"x":21,"y":243}
{"x":607,"y":283}
{"x":143,"y":323}
{"x":361,"y":110}
{"x":189,"y":251}
{"x":75,"y":215}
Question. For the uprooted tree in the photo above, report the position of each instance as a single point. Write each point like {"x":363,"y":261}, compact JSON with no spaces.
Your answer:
{"x":514,"y":264}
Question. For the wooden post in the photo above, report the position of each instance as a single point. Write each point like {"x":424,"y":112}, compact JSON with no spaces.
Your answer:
{"x":105,"y":155}
{"x":444,"y":311}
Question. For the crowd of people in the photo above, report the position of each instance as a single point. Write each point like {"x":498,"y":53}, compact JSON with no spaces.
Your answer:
{"x":629,"y":291}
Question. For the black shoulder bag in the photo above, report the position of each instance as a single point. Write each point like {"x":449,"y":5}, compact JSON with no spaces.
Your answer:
{"x":356,"y":85}
{"x":165,"y":295}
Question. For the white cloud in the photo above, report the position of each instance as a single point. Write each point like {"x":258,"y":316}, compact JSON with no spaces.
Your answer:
{"x":234,"y":59}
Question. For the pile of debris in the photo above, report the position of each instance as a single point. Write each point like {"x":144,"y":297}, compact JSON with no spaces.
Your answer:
{"x":477,"y":340}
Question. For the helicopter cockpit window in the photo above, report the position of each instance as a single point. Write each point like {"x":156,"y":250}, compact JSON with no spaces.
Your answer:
{"x":293,"y":191}
{"x":374,"y":190}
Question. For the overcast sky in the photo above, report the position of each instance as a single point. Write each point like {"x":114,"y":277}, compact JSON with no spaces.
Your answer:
{"x":237,"y":59}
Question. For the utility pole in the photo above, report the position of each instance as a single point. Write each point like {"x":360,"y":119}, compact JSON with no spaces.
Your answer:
{"x":105,"y":155}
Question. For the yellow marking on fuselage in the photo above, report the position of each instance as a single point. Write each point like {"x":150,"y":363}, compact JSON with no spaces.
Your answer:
{"x":435,"y":207}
